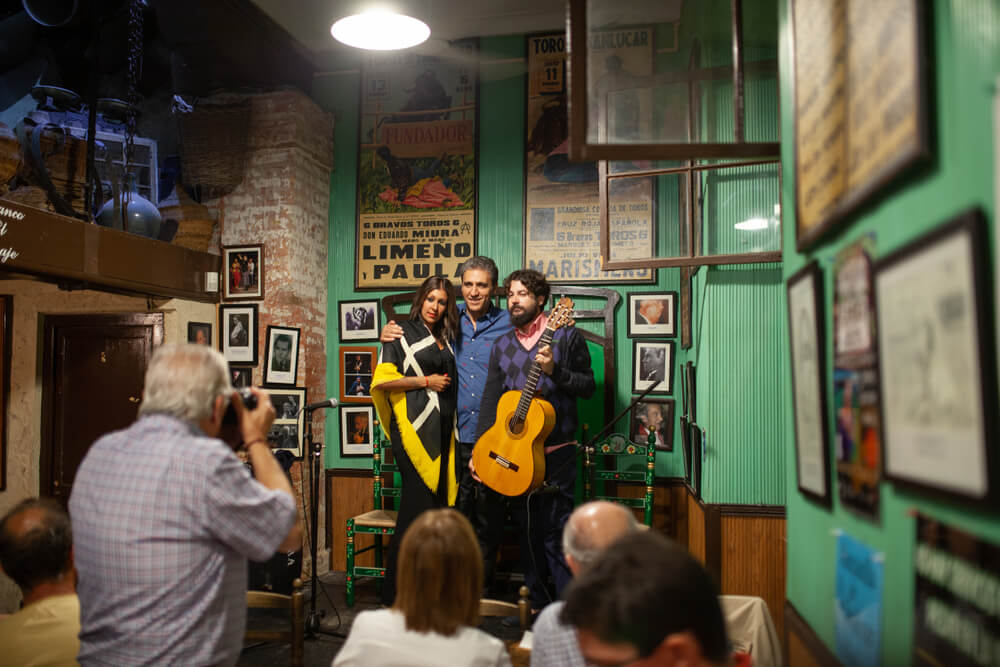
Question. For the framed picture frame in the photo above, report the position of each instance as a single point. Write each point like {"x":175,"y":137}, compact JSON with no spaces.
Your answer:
{"x":287,"y":430}
{"x":281,"y":356}
{"x":808,"y":349}
{"x":238,"y":333}
{"x":653,"y":412}
{"x":652,"y":314}
{"x":357,"y":363}
{"x":359,"y":320}
{"x":937,"y":375}
{"x":244,"y":272}
{"x":200,"y":333}
{"x":240,"y":376}
{"x":356,"y":430}
{"x":653,"y":363}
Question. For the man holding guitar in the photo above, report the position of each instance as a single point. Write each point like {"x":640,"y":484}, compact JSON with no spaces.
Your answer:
{"x":539,"y":359}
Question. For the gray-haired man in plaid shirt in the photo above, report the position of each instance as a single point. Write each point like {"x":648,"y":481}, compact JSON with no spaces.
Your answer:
{"x":165,"y":516}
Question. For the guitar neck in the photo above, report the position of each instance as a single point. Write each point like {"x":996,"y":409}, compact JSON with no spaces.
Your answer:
{"x":531,"y":385}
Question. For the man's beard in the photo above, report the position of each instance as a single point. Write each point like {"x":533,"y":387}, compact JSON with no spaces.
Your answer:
{"x":525,"y":316}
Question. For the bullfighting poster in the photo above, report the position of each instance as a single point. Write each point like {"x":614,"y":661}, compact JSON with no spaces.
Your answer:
{"x":562,"y":205}
{"x":417,"y":167}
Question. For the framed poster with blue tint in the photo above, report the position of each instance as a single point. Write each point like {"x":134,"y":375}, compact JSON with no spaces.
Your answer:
{"x":416,"y":166}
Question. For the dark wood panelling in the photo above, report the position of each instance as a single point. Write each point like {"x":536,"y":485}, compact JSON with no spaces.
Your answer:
{"x":753,"y":560}
{"x":348,"y":493}
{"x":803,"y":647}
{"x":696,"y":528}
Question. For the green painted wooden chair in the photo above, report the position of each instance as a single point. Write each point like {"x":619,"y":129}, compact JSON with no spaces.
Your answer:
{"x":606,"y":465}
{"x":380,"y":522}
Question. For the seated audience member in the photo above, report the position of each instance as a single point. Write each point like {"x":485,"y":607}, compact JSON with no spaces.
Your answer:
{"x":430,"y":624}
{"x":588,"y":532}
{"x":36,"y":551}
{"x":647,"y":602}
{"x":165,"y":516}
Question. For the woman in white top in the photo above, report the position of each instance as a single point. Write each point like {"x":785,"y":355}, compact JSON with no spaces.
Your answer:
{"x":431,"y":622}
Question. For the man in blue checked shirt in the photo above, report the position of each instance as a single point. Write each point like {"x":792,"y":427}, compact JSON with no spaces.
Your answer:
{"x":482,"y":323}
{"x":165,"y":516}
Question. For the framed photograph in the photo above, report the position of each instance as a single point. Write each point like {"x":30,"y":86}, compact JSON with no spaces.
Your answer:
{"x":200,"y":332}
{"x":241,"y":376}
{"x":653,"y":364}
{"x":287,"y":430}
{"x":357,"y":362}
{"x":937,"y":370}
{"x":356,"y":428}
{"x":650,"y":413}
{"x":359,"y":320}
{"x":244,"y":272}
{"x":806,"y":339}
{"x":238,"y":333}
{"x":281,"y":356}
{"x":652,"y":314}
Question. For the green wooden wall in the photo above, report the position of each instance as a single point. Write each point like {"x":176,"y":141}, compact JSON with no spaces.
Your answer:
{"x":739,"y":376}
{"x":964,"y":58}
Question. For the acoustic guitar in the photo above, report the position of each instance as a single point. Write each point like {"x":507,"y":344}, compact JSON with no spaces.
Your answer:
{"x":510,"y":456}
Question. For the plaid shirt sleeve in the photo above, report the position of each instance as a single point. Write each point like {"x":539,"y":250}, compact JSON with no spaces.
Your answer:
{"x":244,"y":514}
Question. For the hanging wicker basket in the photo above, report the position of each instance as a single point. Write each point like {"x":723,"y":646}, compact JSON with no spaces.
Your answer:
{"x":214,"y":146}
{"x":195,"y":223}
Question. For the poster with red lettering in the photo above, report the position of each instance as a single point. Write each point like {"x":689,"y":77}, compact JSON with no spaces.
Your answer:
{"x":562,"y":203}
{"x":417,"y":167}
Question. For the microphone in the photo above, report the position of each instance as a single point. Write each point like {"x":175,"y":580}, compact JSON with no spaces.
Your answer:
{"x":319,"y":405}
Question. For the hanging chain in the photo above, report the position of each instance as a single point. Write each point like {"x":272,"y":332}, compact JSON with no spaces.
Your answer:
{"x":134,"y":75}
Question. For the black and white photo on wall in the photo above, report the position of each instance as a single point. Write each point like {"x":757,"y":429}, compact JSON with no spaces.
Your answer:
{"x":281,"y":356}
{"x":356,"y":430}
{"x":937,"y":364}
{"x":200,"y":333}
{"x":286,"y":431}
{"x":240,"y":376}
{"x":653,"y":415}
{"x":652,"y":314}
{"x":807,"y":343}
{"x":244,"y":272}
{"x":653,"y":364}
{"x":238,"y":333}
{"x":359,"y":320}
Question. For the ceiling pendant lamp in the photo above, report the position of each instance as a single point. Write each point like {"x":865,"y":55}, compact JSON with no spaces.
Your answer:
{"x":380,"y":30}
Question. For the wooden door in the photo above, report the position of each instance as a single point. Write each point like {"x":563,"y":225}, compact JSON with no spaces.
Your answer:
{"x":92,"y":376}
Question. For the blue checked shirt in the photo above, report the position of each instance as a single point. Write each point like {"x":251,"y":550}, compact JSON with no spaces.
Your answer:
{"x":553,"y":643}
{"x":164,"y":519}
{"x":472,"y":358}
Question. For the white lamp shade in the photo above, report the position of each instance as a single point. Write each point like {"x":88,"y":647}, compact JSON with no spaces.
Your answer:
{"x":380,"y":31}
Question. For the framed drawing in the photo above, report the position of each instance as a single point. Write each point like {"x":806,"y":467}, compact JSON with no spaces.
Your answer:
{"x":653,"y":364}
{"x":359,"y":320}
{"x":806,"y":339}
{"x":200,"y":333}
{"x":937,"y":374}
{"x":652,"y":314}
{"x":356,"y":429}
{"x":287,"y":429}
{"x":238,"y":333}
{"x":240,"y":376}
{"x":357,"y":362}
{"x":649,"y":414}
{"x":417,"y":165}
{"x":281,"y":356}
{"x":870,"y":78}
{"x":244,"y":272}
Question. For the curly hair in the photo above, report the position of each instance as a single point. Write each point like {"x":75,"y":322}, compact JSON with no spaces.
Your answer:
{"x":534,"y":281}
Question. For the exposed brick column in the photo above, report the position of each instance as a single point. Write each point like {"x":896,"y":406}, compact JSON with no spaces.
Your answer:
{"x":283,"y":203}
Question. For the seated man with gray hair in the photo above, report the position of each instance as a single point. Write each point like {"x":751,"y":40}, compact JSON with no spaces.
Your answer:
{"x":590,"y":529}
{"x":165,"y":516}
{"x":36,"y":551}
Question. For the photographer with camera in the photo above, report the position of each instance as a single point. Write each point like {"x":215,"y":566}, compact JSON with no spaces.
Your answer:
{"x":165,"y":516}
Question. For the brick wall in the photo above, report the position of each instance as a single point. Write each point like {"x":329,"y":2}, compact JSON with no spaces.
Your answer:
{"x":283,"y":203}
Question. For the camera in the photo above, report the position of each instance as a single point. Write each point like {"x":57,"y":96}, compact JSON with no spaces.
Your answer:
{"x":249,"y":402}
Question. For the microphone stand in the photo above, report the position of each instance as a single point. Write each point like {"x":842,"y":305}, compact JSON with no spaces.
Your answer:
{"x":315,"y":449}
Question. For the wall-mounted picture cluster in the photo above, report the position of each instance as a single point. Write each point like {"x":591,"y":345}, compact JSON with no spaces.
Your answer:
{"x":936,"y":376}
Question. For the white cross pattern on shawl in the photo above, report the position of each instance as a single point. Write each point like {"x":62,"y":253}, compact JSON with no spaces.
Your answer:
{"x":410,"y":361}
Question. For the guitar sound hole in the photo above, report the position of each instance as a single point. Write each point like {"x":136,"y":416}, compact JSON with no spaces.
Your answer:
{"x":515,"y":426}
